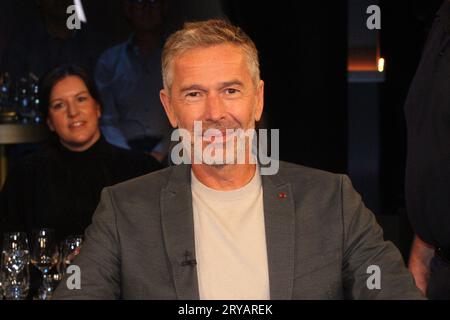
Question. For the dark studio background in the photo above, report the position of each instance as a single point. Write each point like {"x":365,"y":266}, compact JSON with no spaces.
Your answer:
{"x":304,"y":51}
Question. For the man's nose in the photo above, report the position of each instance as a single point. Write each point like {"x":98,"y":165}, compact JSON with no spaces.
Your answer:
{"x":215,"y":108}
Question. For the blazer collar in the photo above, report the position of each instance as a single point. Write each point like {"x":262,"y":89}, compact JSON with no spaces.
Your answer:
{"x":178,"y":230}
{"x":279,"y":217}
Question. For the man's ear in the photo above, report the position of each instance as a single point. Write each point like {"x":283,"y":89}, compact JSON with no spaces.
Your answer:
{"x":50,"y":124}
{"x":165,"y":100}
{"x":259,"y":101}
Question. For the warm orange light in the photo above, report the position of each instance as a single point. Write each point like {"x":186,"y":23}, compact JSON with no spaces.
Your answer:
{"x":380,"y":65}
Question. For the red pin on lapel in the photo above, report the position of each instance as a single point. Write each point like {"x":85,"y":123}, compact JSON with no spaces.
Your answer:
{"x":282,"y":195}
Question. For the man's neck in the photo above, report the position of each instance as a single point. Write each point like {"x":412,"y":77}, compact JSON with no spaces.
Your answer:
{"x":147,"y":42}
{"x":224,"y":178}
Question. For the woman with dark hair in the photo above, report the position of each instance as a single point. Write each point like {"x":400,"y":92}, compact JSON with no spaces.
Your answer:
{"x":59,"y":187}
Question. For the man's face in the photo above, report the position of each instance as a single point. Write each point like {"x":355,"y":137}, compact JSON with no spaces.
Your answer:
{"x":213,"y":85}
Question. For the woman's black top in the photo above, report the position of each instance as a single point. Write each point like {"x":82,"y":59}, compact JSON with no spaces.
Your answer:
{"x":60,"y":189}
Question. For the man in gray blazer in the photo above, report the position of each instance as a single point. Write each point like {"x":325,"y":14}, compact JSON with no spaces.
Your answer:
{"x":230,"y":229}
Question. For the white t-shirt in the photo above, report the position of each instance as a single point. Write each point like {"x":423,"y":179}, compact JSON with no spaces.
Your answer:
{"x":230,"y":242}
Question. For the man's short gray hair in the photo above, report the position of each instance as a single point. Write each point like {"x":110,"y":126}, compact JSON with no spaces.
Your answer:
{"x":205,"y":34}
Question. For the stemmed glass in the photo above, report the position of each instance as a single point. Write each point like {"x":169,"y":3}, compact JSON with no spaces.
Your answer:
{"x":14,"y":266}
{"x":70,"y":249}
{"x":44,"y":256}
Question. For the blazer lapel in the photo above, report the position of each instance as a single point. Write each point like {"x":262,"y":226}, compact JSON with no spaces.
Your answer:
{"x":279,"y":216}
{"x":178,"y":230}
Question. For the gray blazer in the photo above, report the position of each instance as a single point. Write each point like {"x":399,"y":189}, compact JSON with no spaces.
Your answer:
{"x":320,"y":241}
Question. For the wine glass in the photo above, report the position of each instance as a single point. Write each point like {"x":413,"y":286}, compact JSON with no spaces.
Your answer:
{"x":71,"y":248}
{"x":44,"y":256}
{"x":14,"y":266}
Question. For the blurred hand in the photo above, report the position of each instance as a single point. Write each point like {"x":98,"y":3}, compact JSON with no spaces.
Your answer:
{"x":419,"y":263}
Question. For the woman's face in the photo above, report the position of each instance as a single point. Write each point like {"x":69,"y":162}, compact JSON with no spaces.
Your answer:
{"x":73,"y":114}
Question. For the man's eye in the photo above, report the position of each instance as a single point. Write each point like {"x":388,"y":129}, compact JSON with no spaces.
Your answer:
{"x":231,"y":91}
{"x":81,"y":99}
{"x":195,"y":94}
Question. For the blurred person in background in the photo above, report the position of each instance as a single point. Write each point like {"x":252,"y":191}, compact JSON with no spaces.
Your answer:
{"x":129,"y":79}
